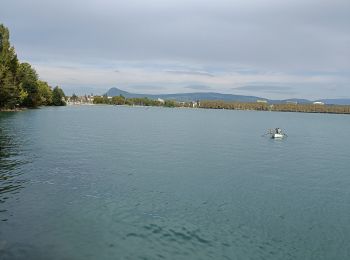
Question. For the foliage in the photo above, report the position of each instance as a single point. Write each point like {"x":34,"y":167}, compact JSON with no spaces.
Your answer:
{"x":58,"y":97}
{"x":28,"y":80}
{"x":142,"y":102}
{"x":118,"y":100}
{"x":19,"y":83}
{"x":45,"y":93}
{"x":74,"y":97}
{"x":101,"y":100}
{"x":9,"y":88}
{"x":170,"y":103}
{"x":121,"y":100}
{"x":306,"y":108}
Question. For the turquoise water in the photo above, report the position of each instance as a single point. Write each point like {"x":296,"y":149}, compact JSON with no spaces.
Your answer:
{"x":106,"y":182}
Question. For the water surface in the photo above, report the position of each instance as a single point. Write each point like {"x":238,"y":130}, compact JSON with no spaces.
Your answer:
{"x":106,"y":182}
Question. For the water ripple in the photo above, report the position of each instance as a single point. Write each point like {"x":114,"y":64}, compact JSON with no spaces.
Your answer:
{"x":11,"y":161}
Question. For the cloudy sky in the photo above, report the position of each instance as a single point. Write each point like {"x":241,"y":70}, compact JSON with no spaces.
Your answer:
{"x":270,"y":48}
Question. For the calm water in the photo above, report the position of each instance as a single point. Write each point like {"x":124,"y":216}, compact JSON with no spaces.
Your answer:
{"x":105,"y":182}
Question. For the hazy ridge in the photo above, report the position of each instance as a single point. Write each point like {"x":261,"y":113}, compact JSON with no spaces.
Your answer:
{"x":219,"y":96}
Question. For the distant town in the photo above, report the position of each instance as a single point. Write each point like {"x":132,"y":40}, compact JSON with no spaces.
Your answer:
{"x":258,"y":105}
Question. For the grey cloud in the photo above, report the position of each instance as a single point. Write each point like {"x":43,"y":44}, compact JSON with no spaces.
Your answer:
{"x":190,"y":72}
{"x":198,"y":87}
{"x":82,"y":90}
{"x":145,"y":87}
{"x":267,"y":89}
{"x":271,"y":35}
{"x":274,"y":34}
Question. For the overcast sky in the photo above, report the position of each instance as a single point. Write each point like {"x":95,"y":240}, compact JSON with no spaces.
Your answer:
{"x":269,"y":48}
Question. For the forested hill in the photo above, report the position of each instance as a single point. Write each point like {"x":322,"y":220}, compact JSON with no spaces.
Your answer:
{"x":19,"y":83}
{"x":219,"y":96}
{"x":185,"y":96}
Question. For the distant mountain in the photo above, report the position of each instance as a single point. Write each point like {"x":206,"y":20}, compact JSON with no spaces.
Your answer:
{"x":336,"y":101}
{"x":219,"y":96}
{"x":296,"y":100}
{"x":186,"y":96}
{"x":112,"y":92}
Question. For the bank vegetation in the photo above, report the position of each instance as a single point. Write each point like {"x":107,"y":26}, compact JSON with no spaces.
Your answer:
{"x":305,"y":108}
{"x":20,"y":86}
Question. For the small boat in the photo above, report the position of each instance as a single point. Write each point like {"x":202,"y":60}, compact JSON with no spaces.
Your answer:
{"x":276,"y":136}
{"x":276,"y":133}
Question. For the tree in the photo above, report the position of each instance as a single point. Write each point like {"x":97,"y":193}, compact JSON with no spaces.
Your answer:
{"x":170,"y":103}
{"x":101,"y":100}
{"x":9,"y":87}
{"x":118,"y":100}
{"x":28,"y":79}
{"x":58,"y":97}
{"x":74,"y":97}
{"x":19,"y":84}
{"x":45,"y":93}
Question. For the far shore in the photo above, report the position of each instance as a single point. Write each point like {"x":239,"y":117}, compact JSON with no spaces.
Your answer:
{"x":221,"y":105}
{"x":18,"y":109}
{"x":297,"y":108}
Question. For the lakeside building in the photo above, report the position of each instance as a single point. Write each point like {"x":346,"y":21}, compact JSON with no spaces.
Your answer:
{"x":318,"y":103}
{"x":292,"y":102}
{"x":162,"y":101}
{"x":80,"y":100}
{"x":195,"y":103}
{"x":262,"y":101}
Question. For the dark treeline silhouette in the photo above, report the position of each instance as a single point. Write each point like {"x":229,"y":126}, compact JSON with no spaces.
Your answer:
{"x":306,"y":108}
{"x":121,"y":100}
{"x":19,"y":83}
{"x":219,"y":104}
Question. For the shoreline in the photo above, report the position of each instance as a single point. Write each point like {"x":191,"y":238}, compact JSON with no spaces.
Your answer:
{"x":13,"y":109}
{"x":282,"y":111}
{"x":241,"y":109}
{"x":326,"y":109}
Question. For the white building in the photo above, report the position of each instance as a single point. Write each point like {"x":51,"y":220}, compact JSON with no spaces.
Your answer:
{"x":161,"y":100}
{"x":196,"y":103}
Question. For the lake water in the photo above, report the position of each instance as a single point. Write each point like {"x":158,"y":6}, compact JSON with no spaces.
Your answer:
{"x":106,"y":182}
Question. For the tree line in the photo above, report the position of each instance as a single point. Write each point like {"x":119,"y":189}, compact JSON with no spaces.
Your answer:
{"x":306,"y":108}
{"x":19,"y":82}
{"x":219,"y":104}
{"x":144,"y":101}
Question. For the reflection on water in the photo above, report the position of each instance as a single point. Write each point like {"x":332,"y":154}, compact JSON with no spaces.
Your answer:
{"x":10,"y":161}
